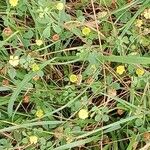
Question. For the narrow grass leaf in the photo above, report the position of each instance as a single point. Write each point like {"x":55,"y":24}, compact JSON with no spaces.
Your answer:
{"x":76,"y":144}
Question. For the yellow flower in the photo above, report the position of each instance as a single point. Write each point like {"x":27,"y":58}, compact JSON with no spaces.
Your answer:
{"x":93,"y":68}
{"x":60,"y":6}
{"x":69,"y":139}
{"x":102,"y":14}
{"x":83,"y":114}
{"x":41,"y":15}
{"x":39,"y":42}
{"x":86,"y":31}
{"x":14,"y":60}
{"x":73,"y":78}
{"x":39,"y":113}
{"x":139,"y":72}
{"x":33,"y":139}
{"x":146,"y":13}
{"x":146,"y":31}
{"x":35,"y":67}
{"x":120,"y":69}
{"x":139,"y":23}
{"x":13,"y":3}
{"x":134,"y":53}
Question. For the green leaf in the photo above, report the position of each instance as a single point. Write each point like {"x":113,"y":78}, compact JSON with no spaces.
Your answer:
{"x":105,"y":118}
{"x":46,"y":32}
{"x":17,"y":135}
{"x":98,"y":117}
{"x":76,"y":144}
{"x":106,"y":2}
{"x":56,"y":28}
{"x":4,"y":89}
{"x":12,"y":73}
{"x":138,"y":122}
{"x":126,"y":59}
{"x":26,"y":125}
{"x":28,"y":35}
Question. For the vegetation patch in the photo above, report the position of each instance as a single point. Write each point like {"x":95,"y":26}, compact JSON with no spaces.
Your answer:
{"x":75,"y":75}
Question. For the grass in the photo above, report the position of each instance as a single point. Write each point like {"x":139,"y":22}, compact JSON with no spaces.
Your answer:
{"x":75,"y":75}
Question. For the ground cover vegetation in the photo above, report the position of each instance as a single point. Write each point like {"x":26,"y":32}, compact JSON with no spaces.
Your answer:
{"x":74,"y":75}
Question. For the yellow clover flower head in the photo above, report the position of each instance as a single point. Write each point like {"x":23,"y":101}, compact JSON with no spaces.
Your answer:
{"x":93,"y":68}
{"x":60,"y":6}
{"x":33,"y":139}
{"x":73,"y":78}
{"x":83,"y":114}
{"x":120,"y":69}
{"x":39,"y":113}
{"x":139,"y":71}
{"x":39,"y":42}
{"x":35,"y":67}
{"x":146,"y":13}
{"x":14,"y":60}
{"x":86,"y":31}
{"x":139,"y":23}
{"x":41,"y":15}
{"x":13,"y":3}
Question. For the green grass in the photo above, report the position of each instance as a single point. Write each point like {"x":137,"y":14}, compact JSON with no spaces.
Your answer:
{"x":90,"y":40}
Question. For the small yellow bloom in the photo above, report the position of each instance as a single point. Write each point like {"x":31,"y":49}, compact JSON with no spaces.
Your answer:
{"x":69,"y":139}
{"x":41,"y":15}
{"x":139,"y":23}
{"x":120,"y":69}
{"x":146,"y":31}
{"x":83,"y":114}
{"x":13,"y":3}
{"x":39,"y":42}
{"x":139,"y":72}
{"x":93,"y":68}
{"x":14,"y":60}
{"x":86,"y":31}
{"x":60,"y":6}
{"x":33,"y":139}
{"x":39,"y":113}
{"x":73,"y":78}
{"x":102,"y":14}
{"x":146,"y":13}
{"x":35,"y":67}
{"x":134,"y":53}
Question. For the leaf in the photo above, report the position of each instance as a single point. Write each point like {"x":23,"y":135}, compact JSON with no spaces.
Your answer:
{"x":76,"y":144}
{"x":106,"y":2}
{"x":46,"y":32}
{"x":98,"y":117}
{"x":126,"y":59}
{"x":28,"y":35}
{"x":139,"y":122}
{"x":26,"y":125}
{"x":105,"y":118}
{"x":17,"y":135}
{"x":112,"y":128}
{"x":124,"y":16}
{"x":12,"y":73}
{"x":4,"y":89}
{"x":56,"y":28}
